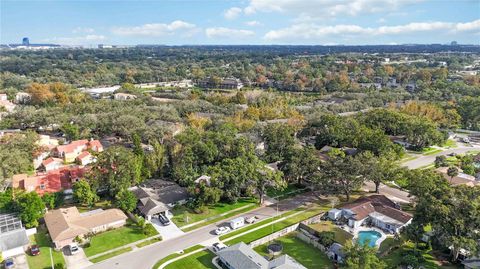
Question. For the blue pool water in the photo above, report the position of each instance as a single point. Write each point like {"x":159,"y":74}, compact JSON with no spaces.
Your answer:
{"x":370,"y":236}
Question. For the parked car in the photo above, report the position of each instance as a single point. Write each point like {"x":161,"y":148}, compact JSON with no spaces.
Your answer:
{"x":251,"y":219}
{"x":218,"y":246}
{"x":163,"y":220}
{"x":34,"y":250}
{"x":73,"y":249}
{"x":9,"y":263}
{"x":222,"y":230}
{"x":237,"y":223}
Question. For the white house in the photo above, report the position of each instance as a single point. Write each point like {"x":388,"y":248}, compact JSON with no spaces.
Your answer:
{"x":377,"y":210}
{"x":13,"y":236}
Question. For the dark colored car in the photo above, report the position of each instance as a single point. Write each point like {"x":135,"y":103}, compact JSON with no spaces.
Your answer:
{"x":163,"y":220}
{"x":9,"y":263}
{"x":35,"y":250}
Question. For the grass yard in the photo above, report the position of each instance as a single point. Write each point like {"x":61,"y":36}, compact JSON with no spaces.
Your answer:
{"x":301,"y":251}
{"x":433,"y":151}
{"x":111,"y":254}
{"x":216,"y":219}
{"x":262,"y":232}
{"x":387,"y":244}
{"x":103,"y":204}
{"x":290,"y":191}
{"x":174,"y":255}
{"x":341,"y":236}
{"x":182,"y":213}
{"x":450,"y":144}
{"x":394,"y":258}
{"x":200,"y":260}
{"x":149,"y":242}
{"x":258,"y":224}
{"x":43,"y":260}
{"x":115,"y":238}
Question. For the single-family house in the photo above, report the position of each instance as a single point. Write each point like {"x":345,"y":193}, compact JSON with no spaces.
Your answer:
{"x":51,"y":164}
{"x":22,"y":98}
{"x":49,"y":182}
{"x":71,"y":151}
{"x":85,"y":158}
{"x":65,"y":224}
{"x":159,"y":197}
{"x":460,"y":179}
{"x":242,"y":256}
{"x":124,"y":96}
{"x":377,"y":210}
{"x":13,"y":236}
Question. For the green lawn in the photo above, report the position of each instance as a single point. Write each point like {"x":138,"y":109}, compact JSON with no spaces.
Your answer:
{"x":216,"y":219}
{"x":386,"y":244}
{"x":258,"y":224}
{"x":111,"y":254}
{"x":183,"y":215}
{"x":103,"y":204}
{"x":433,"y":151}
{"x":262,"y":232}
{"x":115,"y":238}
{"x":200,"y":260}
{"x":301,"y":251}
{"x":341,"y":236}
{"x":290,"y":191}
{"x":174,"y":255}
{"x":450,"y":144}
{"x":149,"y":242}
{"x":43,"y":260}
{"x":394,"y":258}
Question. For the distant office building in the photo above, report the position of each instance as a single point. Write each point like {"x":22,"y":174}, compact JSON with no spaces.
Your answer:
{"x":25,"y":41}
{"x":454,"y":43}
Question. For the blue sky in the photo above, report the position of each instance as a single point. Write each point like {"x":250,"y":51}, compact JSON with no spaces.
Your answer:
{"x":178,"y":22}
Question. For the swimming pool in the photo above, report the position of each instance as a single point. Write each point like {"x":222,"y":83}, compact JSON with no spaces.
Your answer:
{"x":370,"y":236}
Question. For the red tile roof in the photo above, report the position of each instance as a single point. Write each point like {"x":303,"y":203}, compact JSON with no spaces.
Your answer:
{"x":69,"y":148}
{"x":95,"y":145}
{"x":83,"y":155}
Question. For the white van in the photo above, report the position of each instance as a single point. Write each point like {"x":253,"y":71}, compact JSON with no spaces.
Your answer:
{"x":237,"y":223}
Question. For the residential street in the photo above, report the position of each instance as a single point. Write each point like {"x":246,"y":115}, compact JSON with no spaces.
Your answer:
{"x":145,"y":258}
{"x":427,"y":160}
{"x":392,"y":193}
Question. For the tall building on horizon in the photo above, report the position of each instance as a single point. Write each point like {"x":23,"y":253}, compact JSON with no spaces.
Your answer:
{"x":25,"y":41}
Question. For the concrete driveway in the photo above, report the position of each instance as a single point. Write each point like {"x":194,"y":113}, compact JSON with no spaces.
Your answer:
{"x":20,"y":262}
{"x":77,"y":261}
{"x":167,"y":232}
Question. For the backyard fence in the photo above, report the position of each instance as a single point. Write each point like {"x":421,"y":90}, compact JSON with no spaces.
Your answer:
{"x":312,"y":240}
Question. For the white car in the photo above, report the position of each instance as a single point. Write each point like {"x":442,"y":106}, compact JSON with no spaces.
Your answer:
{"x":222,"y":230}
{"x":251,"y":219}
{"x":218,"y":246}
{"x":73,"y":249}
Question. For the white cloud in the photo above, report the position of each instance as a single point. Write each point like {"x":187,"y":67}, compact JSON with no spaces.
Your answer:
{"x":381,"y":20}
{"x":321,"y":8}
{"x":223,"y":32}
{"x":468,"y":26}
{"x":155,"y":29}
{"x":83,"y":30}
{"x":310,"y":31}
{"x":253,"y":23}
{"x":232,"y":13}
{"x":77,"y":40}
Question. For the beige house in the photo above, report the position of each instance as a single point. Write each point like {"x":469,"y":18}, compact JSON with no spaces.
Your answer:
{"x":65,"y":224}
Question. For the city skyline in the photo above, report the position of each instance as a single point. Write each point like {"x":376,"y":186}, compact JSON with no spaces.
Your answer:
{"x":256,"y":22}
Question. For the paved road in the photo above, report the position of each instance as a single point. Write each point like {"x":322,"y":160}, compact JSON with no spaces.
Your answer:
{"x":427,"y":160}
{"x":145,"y":258}
{"x":392,"y":193}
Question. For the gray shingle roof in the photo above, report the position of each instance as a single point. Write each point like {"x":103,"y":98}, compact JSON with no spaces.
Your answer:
{"x":241,"y":256}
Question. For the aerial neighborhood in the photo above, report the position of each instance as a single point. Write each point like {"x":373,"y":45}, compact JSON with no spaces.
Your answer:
{"x":240,"y":156}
